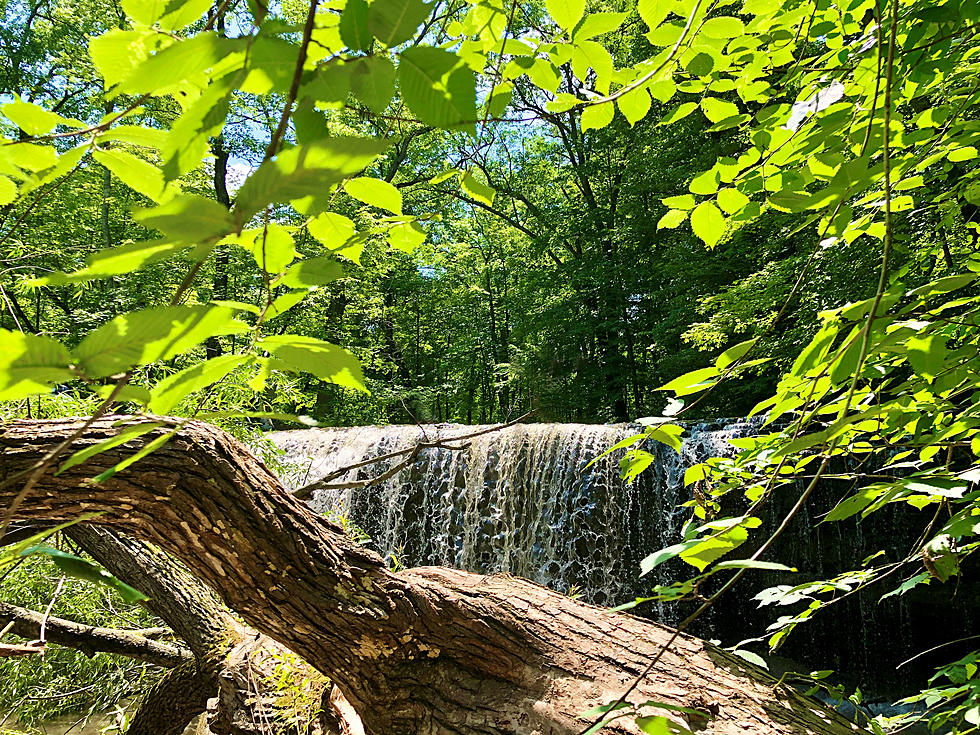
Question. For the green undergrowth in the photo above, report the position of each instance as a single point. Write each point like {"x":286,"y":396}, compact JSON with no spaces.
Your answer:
{"x":38,"y":688}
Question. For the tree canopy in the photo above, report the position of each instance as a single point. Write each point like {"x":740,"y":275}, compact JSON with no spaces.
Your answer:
{"x":354,"y":212}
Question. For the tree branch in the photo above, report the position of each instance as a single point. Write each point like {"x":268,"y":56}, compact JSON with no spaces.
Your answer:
{"x":91,"y":639}
{"x":410,"y":454}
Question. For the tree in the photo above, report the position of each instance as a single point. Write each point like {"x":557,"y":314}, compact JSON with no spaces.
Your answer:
{"x":340,"y":101}
{"x":427,"y":650}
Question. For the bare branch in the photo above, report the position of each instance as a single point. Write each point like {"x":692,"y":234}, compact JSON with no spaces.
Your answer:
{"x":87,"y":639}
{"x":410,"y":454}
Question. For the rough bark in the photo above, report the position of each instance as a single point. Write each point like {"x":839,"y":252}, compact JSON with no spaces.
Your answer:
{"x":427,"y":650}
{"x":178,"y":697}
{"x":191,"y":609}
{"x":234,"y":673}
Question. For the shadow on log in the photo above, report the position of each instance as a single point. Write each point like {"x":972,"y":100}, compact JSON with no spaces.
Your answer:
{"x":428,"y":650}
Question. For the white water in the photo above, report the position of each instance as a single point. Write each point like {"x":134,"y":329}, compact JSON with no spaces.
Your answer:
{"x":522,"y":500}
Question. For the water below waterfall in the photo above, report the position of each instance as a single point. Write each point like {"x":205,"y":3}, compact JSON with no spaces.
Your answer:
{"x":528,"y":499}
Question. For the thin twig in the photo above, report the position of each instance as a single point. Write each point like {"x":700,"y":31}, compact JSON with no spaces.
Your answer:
{"x":324,"y":483}
{"x":287,"y":109}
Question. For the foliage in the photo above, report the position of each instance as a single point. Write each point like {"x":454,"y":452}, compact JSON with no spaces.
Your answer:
{"x":791,"y":183}
{"x":99,"y":681}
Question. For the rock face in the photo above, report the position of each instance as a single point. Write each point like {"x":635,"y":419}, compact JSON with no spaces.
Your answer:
{"x":530,"y":500}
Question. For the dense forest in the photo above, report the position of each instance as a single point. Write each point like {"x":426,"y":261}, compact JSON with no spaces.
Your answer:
{"x":224,"y":217}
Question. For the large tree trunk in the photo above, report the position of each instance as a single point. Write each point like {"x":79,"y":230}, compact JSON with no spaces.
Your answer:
{"x":427,"y":650}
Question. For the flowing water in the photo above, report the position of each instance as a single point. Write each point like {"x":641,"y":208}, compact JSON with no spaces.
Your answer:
{"x":530,"y":499}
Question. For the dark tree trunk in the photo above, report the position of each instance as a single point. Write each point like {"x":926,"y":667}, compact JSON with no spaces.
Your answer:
{"x":427,"y":650}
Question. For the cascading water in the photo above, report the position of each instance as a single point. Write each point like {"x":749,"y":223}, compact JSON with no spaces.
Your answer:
{"x":523,"y":500}
{"x":527,"y":501}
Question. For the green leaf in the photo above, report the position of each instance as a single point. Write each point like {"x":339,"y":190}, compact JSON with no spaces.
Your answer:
{"x":696,"y":473}
{"x":653,"y":12}
{"x":134,"y":172}
{"x":116,"y":261}
{"x":907,"y":585}
{"x":188,"y":218}
{"x":927,"y":355}
{"x":708,"y":223}
{"x":127,"y":434}
{"x":734,"y":353}
{"x":966,"y":153}
{"x":591,"y":55}
{"x":769,"y":566}
{"x":353,"y":26}
{"x":116,"y":54}
{"x":406,"y":236}
{"x":143,"y":337}
{"x":669,"y":434}
{"x":35,"y":120}
{"x":634,"y":463}
{"x":283,"y":303}
{"x":315,"y":167}
{"x":659,"y":557}
{"x":752,"y":658}
{"x":595,"y":117}
{"x":716,"y":545}
{"x":395,"y":21}
{"x":634,"y":105}
{"x":701,"y":64}
{"x":30,"y":156}
{"x":684,"y":201}
{"x":944,"y":285}
{"x":732,"y":200}
{"x":673,"y":218}
{"x":566,"y":13}
{"x":332,"y":229}
{"x":598,"y":24}
{"x":854,"y":504}
{"x":8,"y":191}
{"x":655,"y":725}
{"x":29,"y":364}
{"x":679,"y":113}
{"x":477,"y":189}
{"x":438,"y":87}
{"x":193,"y":58}
{"x":692,"y":382}
{"x":181,"y":13}
{"x":372,"y":80}
{"x":313,"y":272}
{"x":322,"y":359}
{"x":187,"y":143}
{"x":135,"y":135}
{"x":329,"y":83}
{"x":376,"y":193}
{"x":271,"y":65}
{"x":716,"y":109}
{"x":722,"y":27}
{"x":145,"y":12}
{"x":73,"y":566}
{"x":174,"y":388}
{"x":271,"y":246}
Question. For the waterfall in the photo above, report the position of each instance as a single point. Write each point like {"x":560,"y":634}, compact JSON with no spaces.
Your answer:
{"x":526,"y":500}
{"x":523,"y":500}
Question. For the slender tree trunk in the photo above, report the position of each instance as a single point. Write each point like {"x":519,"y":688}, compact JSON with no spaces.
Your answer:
{"x":428,"y":650}
{"x":106,"y":190}
{"x":212,"y":346}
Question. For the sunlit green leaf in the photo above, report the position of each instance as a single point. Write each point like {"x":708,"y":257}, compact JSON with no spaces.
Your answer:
{"x":322,"y":359}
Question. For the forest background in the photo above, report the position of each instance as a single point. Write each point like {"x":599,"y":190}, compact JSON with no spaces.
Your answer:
{"x":548,"y":251}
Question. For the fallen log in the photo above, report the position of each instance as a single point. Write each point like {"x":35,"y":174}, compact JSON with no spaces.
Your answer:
{"x":427,"y":650}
